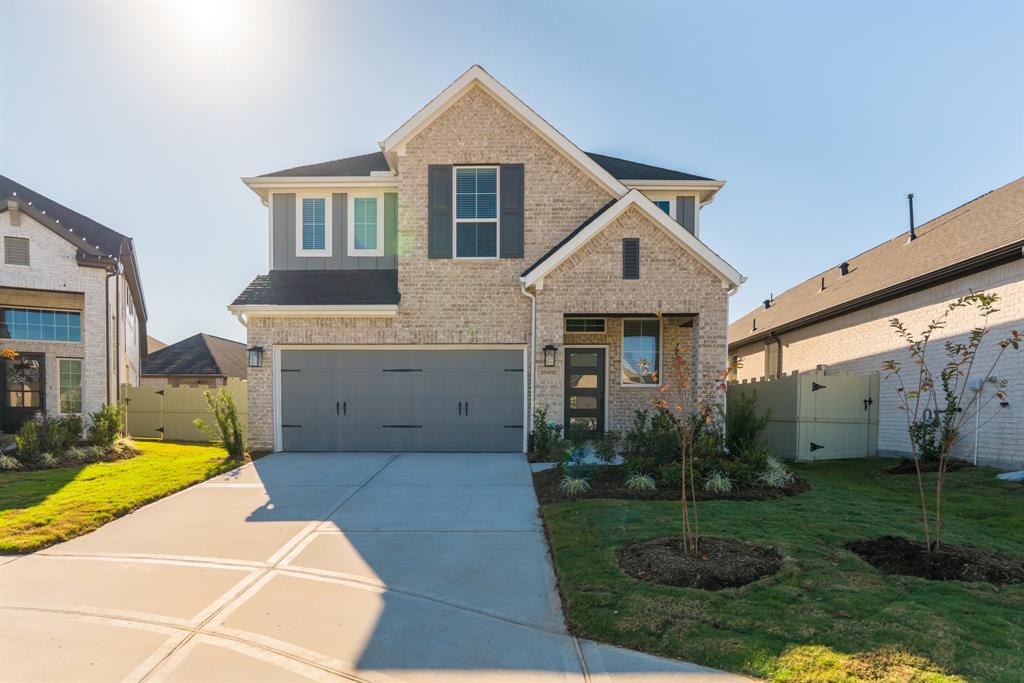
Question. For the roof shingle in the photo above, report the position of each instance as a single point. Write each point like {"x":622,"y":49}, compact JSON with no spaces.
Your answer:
{"x":200,"y":354}
{"x":321,"y":288}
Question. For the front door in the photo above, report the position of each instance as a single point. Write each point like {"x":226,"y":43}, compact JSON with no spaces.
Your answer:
{"x":584,"y":392}
{"x":24,"y":395}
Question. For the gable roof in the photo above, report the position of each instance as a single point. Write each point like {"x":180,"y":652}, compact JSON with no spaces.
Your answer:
{"x":980,"y":234}
{"x":200,"y":354}
{"x":623,"y":169}
{"x":534,"y":275}
{"x":477,"y":76}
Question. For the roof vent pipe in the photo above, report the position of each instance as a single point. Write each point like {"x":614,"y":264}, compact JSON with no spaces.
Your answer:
{"x":753,"y":325}
{"x":822,"y":284}
{"x":910,"y":202}
{"x":844,"y":268}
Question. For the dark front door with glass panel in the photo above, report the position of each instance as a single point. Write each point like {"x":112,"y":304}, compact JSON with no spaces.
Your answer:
{"x":24,"y":390}
{"x":584,"y":392}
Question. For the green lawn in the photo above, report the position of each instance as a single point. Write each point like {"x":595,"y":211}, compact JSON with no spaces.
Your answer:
{"x":44,"y":507}
{"x":827,"y":616}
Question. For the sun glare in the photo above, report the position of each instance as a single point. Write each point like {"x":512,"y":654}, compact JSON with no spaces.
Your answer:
{"x":206,"y":19}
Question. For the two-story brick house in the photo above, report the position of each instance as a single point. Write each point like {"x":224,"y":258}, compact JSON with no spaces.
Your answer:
{"x":71,"y":306}
{"x":426,"y":296}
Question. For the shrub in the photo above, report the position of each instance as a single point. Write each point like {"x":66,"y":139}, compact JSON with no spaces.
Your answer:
{"x":572,"y":486}
{"x":743,"y":427}
{"x":607,"y":446}
{"x":544,"y":433}
{"x":652,"y":441}
{"x":576,"y":466}
{"x":74,"y":456}
{"x":670,"y":475}
{"x":640,"y":482}
{"x":926,"y":436}
{"x":559,"y":450}
{"x":718,"y":482}
{"x":58,"y":434}
{"x":226,"y":430}
{"x":105,"y":427}
{"x":47,"y":461}
{"x":123,"y":448}
{"x":8,"y":462}
{"x":775,"y":474}
{"x":29,"y":440}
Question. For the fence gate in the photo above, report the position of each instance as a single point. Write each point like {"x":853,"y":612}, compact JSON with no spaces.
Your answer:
{"x":168,"y":412}
{"x":816,"y":416}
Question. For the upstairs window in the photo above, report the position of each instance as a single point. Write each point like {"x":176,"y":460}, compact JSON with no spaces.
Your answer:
{"x":16,"y":251}
{"x":365,"y":225}
{"x":665,"y":205}
{"x":313,"y":221}
{"x":70,"y":386}
{"x":641,"y":352}
{"x":476,"y":212}
{"x":38,"y":325}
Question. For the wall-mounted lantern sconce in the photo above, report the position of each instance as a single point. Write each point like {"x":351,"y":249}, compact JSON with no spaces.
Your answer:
{"x":255,"y":356}
{"x":549,"y":355}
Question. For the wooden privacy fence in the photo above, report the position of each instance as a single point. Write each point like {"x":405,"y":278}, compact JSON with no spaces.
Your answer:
{"x":167,"y":412}
{"x":815,"y":416}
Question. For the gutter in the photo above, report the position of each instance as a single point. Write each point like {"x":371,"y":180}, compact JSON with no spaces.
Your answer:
{"x":991,"y":259}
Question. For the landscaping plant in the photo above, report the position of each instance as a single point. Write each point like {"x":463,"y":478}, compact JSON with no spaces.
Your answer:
{"x":640,"y":482}
{"x":943,"y":391}
{"x":226,"y":430}
{"x":105,"y":426}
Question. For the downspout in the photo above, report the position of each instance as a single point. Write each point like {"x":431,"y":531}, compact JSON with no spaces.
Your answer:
{"x":111,"y":272}
{"x":117,"y":331}
{"x":533,"y":355}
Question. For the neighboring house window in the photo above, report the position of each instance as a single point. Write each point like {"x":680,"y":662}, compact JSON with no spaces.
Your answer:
{"x":641,"y":351}
{"x":313,"y":222}
{"x":39,"y":325}
{"x":592,"y":325}
{"x":771,"y":359}
{"x":16,"y":251}
{"x":70,"y":385}
{"x":130,"y":320}
{"x":365,"y":225}
{"x":476,"y":212}
{"x":665,"y":205}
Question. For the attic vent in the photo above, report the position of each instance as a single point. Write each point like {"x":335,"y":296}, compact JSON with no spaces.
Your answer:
{"x":844,"y":268}
{"x":16,"y":251}
{"x":767,"y":303}
{"x":630,"y":258}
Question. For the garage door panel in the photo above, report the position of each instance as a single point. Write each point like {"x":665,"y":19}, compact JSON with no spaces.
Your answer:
{"x":404,"y":399}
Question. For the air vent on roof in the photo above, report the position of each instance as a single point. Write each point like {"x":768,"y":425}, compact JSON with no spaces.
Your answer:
{"x":910,"y":202}
{"x":753,"y":325}
{"x":844,"y":268}
{"x":822,"y":288}
{"x":767,"y":303}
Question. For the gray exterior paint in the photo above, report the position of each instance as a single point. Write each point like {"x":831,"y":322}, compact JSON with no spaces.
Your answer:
{"x":685,"y":213}
{"x":402,"y":400}
{"x":284,"y":237}
{"x":512,"y":201}
{"x":439,"y":198}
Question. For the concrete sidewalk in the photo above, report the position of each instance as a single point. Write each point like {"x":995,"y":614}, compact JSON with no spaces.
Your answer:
{"x":314,"y":567}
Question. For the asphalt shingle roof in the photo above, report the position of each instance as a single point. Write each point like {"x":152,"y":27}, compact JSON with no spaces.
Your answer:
{"x":200,"y":354}
{"x":322,"y":288}
{"x":984,"y":225}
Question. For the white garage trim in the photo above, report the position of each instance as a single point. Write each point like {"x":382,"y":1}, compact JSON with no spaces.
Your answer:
{"x":278,"y":348}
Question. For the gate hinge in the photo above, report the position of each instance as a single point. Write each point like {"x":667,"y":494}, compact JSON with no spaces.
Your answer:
{"x":815,"y":386}
{"x":815,"y":446}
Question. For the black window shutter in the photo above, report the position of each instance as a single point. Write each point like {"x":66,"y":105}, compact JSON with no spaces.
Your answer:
{"x":631,"y":258}
{"x":512,"y":196}
{"x":439,"y":211}
{"x":686,"y":212}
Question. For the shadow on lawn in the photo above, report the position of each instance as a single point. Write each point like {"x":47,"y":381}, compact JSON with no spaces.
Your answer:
{"x":25,"y":489}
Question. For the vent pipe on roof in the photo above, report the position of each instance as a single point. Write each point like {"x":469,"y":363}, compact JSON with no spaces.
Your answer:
{"x":753,"y":325}
{"x":769,"y":301}
{"x":844,"y":268}
{"x":822,"y":289}
{"x":910,"y":202}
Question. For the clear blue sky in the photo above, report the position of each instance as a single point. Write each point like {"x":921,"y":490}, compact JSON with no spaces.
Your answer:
{"x":821,"y":116}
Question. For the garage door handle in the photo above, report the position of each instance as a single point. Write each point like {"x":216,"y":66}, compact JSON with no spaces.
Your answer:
{"x":460,"y":407}
{"x":337,"y":408}
{"x":467,"y":407}
{"x":344,"y":407}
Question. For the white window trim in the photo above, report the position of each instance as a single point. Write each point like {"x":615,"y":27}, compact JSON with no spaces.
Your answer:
{"x":565,"y":326}
{"x":661,"y":354}
{"x":351,"y":224}
{"x":497,"y":214}
{"x":328,"y":225}
{"x":81,"y":384}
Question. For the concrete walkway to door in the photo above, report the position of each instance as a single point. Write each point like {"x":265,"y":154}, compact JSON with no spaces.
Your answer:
{"x":314,"y":567}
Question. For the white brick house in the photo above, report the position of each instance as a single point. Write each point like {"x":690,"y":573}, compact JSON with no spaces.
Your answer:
{"x":71,"y":307}
{"x":427,"y":296}
{"x":841,"y":321}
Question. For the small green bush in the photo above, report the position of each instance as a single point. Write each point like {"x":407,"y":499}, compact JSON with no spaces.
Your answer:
{"x":718,"y":482}
{"x":58,"y":434}
{"x":775,"y":475}
{"x":640,"y":482}
{"x":226,"y":430}
{"x":575,"y":466}
{"x":105,"y":426}
{"x":544,"y":433}
{"x":29,"y":441}
{"x":652,"y":441}
{"x":572,"y":486}
{"x":8,"y":462}
{"x":607,"y":446}
{"x":926,"y":435}
{"x":47,"y":461}
{"x":744,"y":428}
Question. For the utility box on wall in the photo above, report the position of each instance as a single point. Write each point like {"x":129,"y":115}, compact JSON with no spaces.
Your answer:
{"x":815,"y":416}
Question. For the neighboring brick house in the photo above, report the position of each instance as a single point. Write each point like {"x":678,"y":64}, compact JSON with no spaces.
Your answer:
{"x":416,"y":293}
{"x":841,"y":321}
{"x":71,"y":306}
{"x":201,"y":360}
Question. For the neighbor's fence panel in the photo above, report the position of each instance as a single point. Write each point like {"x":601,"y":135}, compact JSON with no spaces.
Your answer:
{"x":168,"y":412}
{"x":816,"y":416}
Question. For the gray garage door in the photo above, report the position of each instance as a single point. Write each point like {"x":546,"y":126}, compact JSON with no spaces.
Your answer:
{"x":402,"y":400}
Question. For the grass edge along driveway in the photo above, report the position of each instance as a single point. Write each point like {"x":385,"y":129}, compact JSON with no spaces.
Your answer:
{"x":43,"y":507}
{"x":827,"y":615}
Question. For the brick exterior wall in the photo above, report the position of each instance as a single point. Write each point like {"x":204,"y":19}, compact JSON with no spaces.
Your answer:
{"x":53,"y":267}
{"x":860,"y":342}
{"x":450,"y":301}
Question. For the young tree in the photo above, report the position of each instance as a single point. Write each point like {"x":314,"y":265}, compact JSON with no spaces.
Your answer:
{"x":945,"y":394}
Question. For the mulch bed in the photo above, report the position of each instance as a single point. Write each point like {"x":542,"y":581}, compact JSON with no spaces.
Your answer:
{"x":610,"y":483}
{"x":895,"y":555}
{"x":718,"y":564}
{"x":906,"y":466}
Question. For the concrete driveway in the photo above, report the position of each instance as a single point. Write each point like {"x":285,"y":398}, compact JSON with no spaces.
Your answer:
{"x":313,"y":567}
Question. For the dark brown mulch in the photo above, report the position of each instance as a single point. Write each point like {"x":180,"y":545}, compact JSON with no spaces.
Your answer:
{"x":906,"y":466}
{"x":895,"y":555}
{"x":718,"y":564}
{"x":610,"y":482}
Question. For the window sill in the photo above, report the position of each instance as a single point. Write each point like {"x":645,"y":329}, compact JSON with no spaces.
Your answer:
{"x":357,"y":253}
{"x":313,"y":253}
